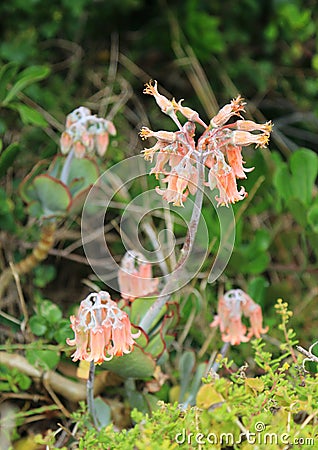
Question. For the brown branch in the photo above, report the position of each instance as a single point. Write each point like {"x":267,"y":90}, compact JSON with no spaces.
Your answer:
{"x":38,"y":254}
{"x":61,"y":385}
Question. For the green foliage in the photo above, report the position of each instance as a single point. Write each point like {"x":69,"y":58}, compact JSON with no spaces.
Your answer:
{"x":12,"y":83}
{"x":133,"y":365}
{"x":7,"y":157}
{"x":20,"y":81}
{"x":264,"y":405}
{"x":13,"y":380}
{"x":12,"y":211}
{"x":295,"y":182}
{"x":202,"y":22}
{"x":43,"y":275}
{"x":190,"y":379}
{"x":158,"y":341}
{"x":48,"y":197}
{"x":253,"y":257}
{"x":42,"y":358}
{"x":238,"y":409}
{"x":103,"y":412}
{"x":48,"y":322}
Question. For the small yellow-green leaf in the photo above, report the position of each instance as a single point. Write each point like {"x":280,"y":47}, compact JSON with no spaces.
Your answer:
{"x":174,"y":394}
{"x":254,"y":385}
{"x":208,"y":396}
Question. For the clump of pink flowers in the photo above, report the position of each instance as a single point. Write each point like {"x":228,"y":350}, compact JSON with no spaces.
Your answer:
{"x":135,"y":277}
{"x":86,"y":133}
{"x":219,"y":148}
{"x":102,"y":330}
{"x":231,"y":306}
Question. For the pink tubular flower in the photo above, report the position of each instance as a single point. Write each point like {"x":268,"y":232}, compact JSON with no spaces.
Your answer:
{"x":102,"y":330}
{"x":226,"y":184}
{"x":231,"y":306}
{"x":235,"y":159}
{"x":102,"y":141}
{"x":80,"y":340}
{"x":222,"y":176}
{"x":188,"y":113}
{"x":79,"y":149}
{"x":166,"y":136}
{"x":182,"y":180}
{"x":135,"y":277}
{"x":66,"y":142}
{"x":162,"y":159}
{"x":254,"y":312}
{"x":232,"y":109}
{"x":123,"y":341}
{"x":175,"y":190}
{"x":164,"y":104}
{"x":247,"y":138}
{"x":85,"y":132}
{"x":249,"y":125}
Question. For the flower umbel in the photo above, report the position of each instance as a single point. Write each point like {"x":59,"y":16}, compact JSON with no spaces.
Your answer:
{"x":231,"y":306}
{"x":135,"y":277}
{"x":219,"y":148}
{"x":102,"y":330}
{"x":86,"y":133}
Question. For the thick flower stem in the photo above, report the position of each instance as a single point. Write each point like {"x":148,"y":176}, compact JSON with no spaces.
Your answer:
{"x":223,"y":352}
{"x":38,"y":254}
{"x":165,"y":294}
{"x":90,"y":393}
{"x":67,"y":167}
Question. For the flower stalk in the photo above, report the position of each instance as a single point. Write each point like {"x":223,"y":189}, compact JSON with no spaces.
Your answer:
{"x":165,"y":294}
{"x":90,"y":393}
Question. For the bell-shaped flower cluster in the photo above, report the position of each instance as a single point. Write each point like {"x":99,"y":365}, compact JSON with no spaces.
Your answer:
{"x":86,"y":133}
{"x":219,"y":149}
{"x":102,"y":330}
{"x":135,"y":277}
{"x":231,"y":307}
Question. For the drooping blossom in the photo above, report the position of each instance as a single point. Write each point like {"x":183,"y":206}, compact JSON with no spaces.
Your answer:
{"x":219,"y":148}
{"x":222,"y":176}
{"x":231,"y":306}
{"x":102,"y":330}
{"x":135,"y":277}
{"x":85,"y":133}
{"x":254,"y":312}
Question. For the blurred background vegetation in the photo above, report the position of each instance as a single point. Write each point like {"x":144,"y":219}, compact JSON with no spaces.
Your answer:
{"x":99,"y":54}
